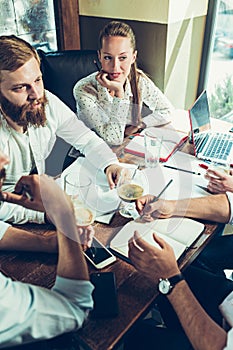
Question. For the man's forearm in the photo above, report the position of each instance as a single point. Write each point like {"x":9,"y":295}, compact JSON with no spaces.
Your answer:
{"x":214,"y":208}
{"x":202,"y":331}
{"x":18,"y":239}
{"x":71,"y":261}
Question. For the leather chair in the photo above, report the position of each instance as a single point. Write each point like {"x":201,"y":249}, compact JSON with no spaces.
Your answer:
{"x":61,"y":70}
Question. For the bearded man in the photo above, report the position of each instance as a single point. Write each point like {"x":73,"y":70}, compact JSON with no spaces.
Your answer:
{"x":30,"y":120}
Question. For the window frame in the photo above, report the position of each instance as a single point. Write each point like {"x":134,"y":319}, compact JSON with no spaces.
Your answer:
{"x":207,"y":49}
{"x":67,"y":24}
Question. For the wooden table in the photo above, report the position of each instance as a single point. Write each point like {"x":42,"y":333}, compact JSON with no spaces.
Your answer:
{"x":135,"y":293}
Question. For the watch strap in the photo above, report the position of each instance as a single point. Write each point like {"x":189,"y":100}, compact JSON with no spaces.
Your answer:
{"x":176,"y":279}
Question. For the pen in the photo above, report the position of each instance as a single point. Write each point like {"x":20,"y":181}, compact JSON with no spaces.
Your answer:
{"x":203,"y":166}
{"x":159,"y":195}
{"x":133,"y":135}
{"x":163,"y":190}
{"x":179,"y":169}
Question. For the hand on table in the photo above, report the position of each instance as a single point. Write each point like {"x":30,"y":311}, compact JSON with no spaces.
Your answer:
{"x":152,"y":262}
{"x":219,"y":182}
{"x":86,"y":236}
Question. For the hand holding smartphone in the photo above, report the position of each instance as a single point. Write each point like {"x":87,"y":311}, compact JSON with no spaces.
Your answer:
{"x":98,"y":255}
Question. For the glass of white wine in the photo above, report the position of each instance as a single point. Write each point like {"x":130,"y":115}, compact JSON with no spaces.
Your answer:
{"x":130,"y":187}
{"x":78,"y":188}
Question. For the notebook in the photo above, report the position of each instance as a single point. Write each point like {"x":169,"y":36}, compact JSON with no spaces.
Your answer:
{"x":209,"y":146}
{"x":180,"y":233}
{"x":172,"y":140}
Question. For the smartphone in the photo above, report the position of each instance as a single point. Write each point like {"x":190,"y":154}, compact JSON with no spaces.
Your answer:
{"x":98,"y":255}
{"x":104,"y":295}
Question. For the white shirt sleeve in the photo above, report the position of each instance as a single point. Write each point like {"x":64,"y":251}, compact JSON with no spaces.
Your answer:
{"x":31,"y":313}
{"x":3,"y":227}
{"x":16,"y":214}
{"x":77,"y":134}
{"x":229,"y":345}
{"x":226,"y":309}
{"x":158,"y":105}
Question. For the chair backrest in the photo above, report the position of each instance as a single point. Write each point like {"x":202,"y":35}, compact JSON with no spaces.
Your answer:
{"x":62,"y":69}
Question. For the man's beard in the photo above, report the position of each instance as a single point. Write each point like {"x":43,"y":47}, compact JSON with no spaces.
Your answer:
{"x":25,"y":116}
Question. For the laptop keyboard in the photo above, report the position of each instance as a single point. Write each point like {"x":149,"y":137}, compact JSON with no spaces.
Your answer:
{"x":219,"y":145}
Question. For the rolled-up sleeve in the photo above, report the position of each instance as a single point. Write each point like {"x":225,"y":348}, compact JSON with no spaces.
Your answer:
{"x":226,"y":309}
{"x":3,"y":227}
{"x":229,"y":345}
{"x":31,"y":313}
{"x":16,"y":214}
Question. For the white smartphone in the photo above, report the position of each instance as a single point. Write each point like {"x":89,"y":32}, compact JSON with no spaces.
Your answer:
{"x":98,"y":255}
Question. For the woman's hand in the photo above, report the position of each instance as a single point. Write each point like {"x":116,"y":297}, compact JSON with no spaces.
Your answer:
{"x":114,"y":87}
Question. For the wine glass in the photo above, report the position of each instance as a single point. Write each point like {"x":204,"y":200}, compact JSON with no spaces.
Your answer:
{"x":78,"y":188}
{"x":130,"y":187}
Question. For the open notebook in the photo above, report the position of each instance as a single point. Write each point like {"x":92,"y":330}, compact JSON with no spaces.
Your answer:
{"x":180,"y":233}
{"x":172,"y":140}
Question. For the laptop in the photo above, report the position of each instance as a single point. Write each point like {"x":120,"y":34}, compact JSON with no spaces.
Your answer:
{"x":208,"y":146}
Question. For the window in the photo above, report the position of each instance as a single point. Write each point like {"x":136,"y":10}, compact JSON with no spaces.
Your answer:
{"x":220,"y":76}
{"x":32,"y":20}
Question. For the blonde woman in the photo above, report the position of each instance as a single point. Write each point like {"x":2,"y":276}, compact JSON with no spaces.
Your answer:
{"x":110,"y":101}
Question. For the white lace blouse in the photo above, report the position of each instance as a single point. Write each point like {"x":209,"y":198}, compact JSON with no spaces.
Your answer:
{"x":108,"y":116}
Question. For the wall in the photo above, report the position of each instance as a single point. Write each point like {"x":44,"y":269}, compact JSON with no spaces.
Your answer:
{"x":169,"y":39}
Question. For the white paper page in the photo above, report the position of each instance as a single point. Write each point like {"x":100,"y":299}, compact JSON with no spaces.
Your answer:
{"x":171,"y":138}
{"x":191,"y":163}
{"x":180,"y":120}
{"x":184,"y":230}
{"x":120,"y":241}
{"x":184,"y":185}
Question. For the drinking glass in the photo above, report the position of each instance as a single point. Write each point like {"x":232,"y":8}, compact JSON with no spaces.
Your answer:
{"x":152,"y":149}
{"x":130,"y":187}
{"x":78,"y":188}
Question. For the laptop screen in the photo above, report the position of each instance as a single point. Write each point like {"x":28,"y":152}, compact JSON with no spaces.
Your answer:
{"x":199,"y":114}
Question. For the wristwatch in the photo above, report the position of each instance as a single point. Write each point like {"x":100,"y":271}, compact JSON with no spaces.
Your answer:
{"x":166,"y":285}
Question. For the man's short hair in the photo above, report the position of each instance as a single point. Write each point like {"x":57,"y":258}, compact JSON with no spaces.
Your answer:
{"x":15,"y":52}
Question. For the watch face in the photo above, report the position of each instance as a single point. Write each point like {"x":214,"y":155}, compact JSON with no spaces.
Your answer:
{"x":164,"y":286}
